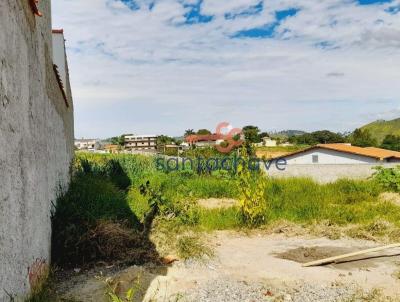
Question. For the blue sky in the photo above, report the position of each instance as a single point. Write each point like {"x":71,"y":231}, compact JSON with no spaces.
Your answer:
{"x":163,"y":66}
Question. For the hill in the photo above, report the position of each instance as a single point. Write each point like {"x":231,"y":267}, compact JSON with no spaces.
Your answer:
{"x":379,"y":129}
{"x":287,"y":133}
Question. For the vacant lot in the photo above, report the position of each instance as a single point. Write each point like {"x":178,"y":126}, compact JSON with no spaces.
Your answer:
{"x":241,"y":232}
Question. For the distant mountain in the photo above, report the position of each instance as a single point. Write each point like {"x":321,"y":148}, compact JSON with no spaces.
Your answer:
{"x":381,"y":128}
{"x":287,"y":133}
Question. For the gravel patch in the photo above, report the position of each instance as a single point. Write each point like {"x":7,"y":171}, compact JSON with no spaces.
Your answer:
{"x":228,"y":290}
{"x":310,"y":293}
{"x":223,"y":290}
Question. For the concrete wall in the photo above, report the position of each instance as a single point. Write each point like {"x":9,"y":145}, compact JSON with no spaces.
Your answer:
{"x":36,"y":143}
{"x":329,"y":157}
{"x":327,"y":173}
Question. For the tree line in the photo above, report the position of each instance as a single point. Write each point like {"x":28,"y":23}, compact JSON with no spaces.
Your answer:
{"x":360,"y":138}
{"x":253,"y":134}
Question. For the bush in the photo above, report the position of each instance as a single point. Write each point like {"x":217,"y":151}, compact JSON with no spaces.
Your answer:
{"x":388,"y":178}
{"x":252,"y":186}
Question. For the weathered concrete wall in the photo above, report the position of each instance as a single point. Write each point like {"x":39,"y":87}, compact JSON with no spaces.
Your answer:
{"x":36,"y":143}
{"x":327,"y":173}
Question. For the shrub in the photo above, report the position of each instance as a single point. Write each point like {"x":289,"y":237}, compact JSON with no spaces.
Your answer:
{"x":187,"y":212}
{"x":251,"y":187}
{"x":388,"y":178}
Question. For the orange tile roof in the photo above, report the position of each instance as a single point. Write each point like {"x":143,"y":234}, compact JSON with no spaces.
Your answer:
{"x":203,"y":138}
{"x":386,"y":153}
{"x":111,"y":146}
{"x":373,"y":152}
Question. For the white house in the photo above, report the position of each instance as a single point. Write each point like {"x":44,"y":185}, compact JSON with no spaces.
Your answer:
{"x":87,"y":144}
{"x":269,"y":142}
{"x":336,"y":154}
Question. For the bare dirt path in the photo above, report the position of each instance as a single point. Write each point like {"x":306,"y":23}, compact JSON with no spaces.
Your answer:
{"x":257,"y":268}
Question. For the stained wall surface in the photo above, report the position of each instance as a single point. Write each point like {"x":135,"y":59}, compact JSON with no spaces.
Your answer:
{"x":36,"y":143}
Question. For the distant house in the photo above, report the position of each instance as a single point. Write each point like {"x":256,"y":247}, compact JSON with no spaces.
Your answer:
{"x":185,"y":145}
{"x":143,"y":143}
{"x":204,"y":141}
{"x":336,"y":154}
{"x":112,"y":149}
{"x":87,"y":144}
{"x":269,"y":142}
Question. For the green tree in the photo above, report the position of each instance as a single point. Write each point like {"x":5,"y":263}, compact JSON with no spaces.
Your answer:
{"x":252,"y":134}
{"x":203,"y":132}
{"x":118,"y":140}
{"x":391,"y":142}
{"x":189,"y":132}
{"x":165,"y":140}
{"x":317,"y":137}
{"x":327,"y":137}
{"x":362,"y":138}
{"x":263,"y":134}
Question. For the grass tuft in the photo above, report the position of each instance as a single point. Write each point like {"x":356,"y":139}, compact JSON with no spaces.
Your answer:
{"x":192,"y":246}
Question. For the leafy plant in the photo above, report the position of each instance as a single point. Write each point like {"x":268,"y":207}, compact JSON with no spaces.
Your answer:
{"x":388,"y":178}
{"x":187,"y":212}
{"x":251,"y":186}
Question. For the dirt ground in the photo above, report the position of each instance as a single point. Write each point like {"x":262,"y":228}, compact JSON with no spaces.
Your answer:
{"x":217,"y":203}
{"x":257,"y":267}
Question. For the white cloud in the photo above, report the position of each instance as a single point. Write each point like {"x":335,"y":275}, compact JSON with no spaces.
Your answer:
{"x":139,"y":71}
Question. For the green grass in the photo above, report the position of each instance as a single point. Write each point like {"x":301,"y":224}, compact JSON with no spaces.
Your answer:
{"x":219,"y":219}
{"x":299,"y":200}
{"x":342,"y":202}
{"x":303,"y":201}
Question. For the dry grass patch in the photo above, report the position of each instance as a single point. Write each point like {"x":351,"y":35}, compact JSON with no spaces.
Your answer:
{"x":390,"y":197}
{"x":192,"y":246}
{"x":217,"y":203}
{"x":115,"y":242}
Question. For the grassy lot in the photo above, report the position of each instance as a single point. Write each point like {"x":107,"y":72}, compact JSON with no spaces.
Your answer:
{"x":121,"y":190}
{"x":113,"y":198}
